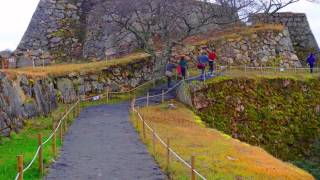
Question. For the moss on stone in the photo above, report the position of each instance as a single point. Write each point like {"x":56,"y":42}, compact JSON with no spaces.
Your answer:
{"x":280,"y":114}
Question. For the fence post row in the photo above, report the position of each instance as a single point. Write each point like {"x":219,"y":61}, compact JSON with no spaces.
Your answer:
{"x":40,"y":154}
{"x":20,"y":167}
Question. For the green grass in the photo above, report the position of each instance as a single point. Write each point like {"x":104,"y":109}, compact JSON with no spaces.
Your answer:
{"x":26,"y":143}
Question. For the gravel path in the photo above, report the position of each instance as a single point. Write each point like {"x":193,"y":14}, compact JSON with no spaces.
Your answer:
{"x":102,"y":145}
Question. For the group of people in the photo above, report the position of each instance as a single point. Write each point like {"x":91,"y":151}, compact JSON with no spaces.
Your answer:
{"x":209,"y":57}
{"x":206,"y":57}
{"x":181,"y":68}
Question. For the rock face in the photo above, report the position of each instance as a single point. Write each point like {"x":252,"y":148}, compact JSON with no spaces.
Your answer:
{"x":66,"y":30}
{"x":22,"y":98}
{"x":300,"y":33}
{"x":267,"y":47}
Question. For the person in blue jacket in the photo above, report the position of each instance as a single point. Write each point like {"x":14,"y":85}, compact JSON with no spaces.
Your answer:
{"x":311,"y":61}
{"x":202,"y":62}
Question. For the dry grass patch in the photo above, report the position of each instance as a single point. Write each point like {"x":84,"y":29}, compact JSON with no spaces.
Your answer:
{"x":218,"y":156}
{"x":64,"y":69}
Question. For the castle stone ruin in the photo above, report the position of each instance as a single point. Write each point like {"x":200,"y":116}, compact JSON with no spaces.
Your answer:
{"x":301,"y":35}
{"x":74,"y":30}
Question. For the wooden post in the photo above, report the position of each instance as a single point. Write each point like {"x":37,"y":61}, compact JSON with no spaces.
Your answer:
{"x":193,"y":174}
{"x":154,"y":83}
{"x":61,"y":133}
{"x":65,"y":125}
{"x":54,"y":141}
{"x":20,"y":166}
{"x":154,"y":141}
{"x":79,"y":107}
{"x":162,"y":96}
{"x":144,"y":128}
{"x":148,"y":99}
{"x":107,"y":94}
{"x":133,"y":102}
{"x":168,"y":155}
{"x":40,"y":157}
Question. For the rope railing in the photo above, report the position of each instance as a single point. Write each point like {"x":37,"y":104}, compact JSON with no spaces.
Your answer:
{"x":175,"y":154}
{"x":223,"y":68}
{"x":19,"y":175}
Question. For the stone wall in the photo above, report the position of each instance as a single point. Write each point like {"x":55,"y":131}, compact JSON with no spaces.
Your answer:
{"x":22,"y":97}
{"x":69,"y":30}
{"x":300,"y":33}
{"x":257,"y":46}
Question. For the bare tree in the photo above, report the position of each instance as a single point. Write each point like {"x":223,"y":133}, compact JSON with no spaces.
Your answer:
{"x":159,"y":25}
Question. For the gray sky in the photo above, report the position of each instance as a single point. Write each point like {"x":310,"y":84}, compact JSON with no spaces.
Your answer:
{"x":16,"y":14}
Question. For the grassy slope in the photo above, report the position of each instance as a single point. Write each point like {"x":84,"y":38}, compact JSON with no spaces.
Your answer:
{"x":64,"y":69}
{"x":218,"y":156}
{"x":26,"y":143}
{"x":282,"y":120}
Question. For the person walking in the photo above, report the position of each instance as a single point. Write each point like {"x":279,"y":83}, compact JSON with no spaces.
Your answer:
{"x":212,"y":61}
{"x":183,"y":66}
{"x":311,"y":61}
{"x":170,"y":67}
{"x":202,"y":61}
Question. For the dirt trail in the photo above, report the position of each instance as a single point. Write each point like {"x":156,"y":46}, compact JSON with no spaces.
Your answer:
{"x":102,"y":145}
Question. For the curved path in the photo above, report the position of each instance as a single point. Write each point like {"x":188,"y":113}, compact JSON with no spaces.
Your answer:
{"x":102,"y":145}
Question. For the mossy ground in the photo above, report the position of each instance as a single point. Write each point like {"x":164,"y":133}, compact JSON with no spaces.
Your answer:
{"x":279,"y":112}
{"x":218,"y":156}
{"x":26,"y":143}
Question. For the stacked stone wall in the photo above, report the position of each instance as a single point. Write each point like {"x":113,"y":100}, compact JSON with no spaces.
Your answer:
{"x":23,"y":97}
{"x":301,"y":35}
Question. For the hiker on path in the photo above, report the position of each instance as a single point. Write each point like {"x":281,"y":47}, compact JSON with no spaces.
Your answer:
{"x":212,"y":61}
{"x":183,"y":66}
{"x":202,"y":62}
{"x":170,"y":67}
{"x":311,"y":61}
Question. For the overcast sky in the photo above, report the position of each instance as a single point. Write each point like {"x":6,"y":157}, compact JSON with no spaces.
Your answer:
{"x":16,"y":14}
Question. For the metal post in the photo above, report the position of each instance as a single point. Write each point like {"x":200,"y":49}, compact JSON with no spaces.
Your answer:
{"x":20,"y":166}
{"x":148,"y":99}
{"x":40,"y":157}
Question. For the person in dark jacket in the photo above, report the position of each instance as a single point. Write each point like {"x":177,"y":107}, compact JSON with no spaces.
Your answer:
{"x":311,"y":61}
{"x":183,"y":65}
{"x":170,"y":67}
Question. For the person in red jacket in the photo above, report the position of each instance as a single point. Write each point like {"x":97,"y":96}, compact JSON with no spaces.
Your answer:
{"x":212,"y":61}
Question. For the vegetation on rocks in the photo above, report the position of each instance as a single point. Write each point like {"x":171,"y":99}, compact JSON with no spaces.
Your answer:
{"x":65,"y":69}
{"x":218,"y":156}
{"x":279,"y":113}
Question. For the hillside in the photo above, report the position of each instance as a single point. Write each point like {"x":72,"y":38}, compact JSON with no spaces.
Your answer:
{"x":277,"y":111}
{"x":217,"y":154}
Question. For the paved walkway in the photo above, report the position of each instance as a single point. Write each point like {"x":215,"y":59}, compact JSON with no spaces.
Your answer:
{"x":102,"y":145}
